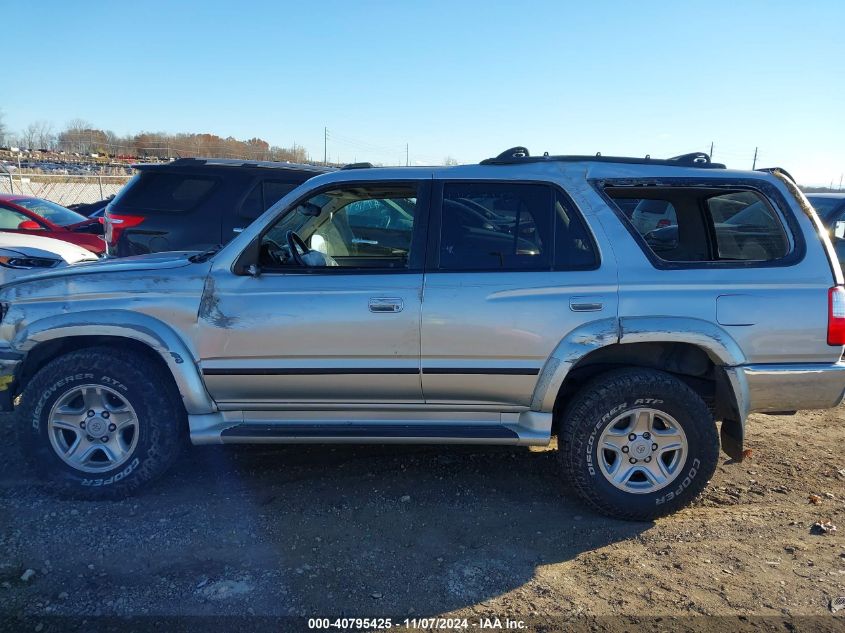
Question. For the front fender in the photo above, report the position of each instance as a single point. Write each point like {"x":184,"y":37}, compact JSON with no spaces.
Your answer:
{"x":143,"y":328}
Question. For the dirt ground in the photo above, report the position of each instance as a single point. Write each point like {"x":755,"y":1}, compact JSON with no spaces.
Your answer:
{"x":413,"y":532}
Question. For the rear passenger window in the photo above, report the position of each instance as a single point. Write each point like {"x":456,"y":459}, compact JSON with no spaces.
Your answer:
{"x":167,"y":192}
{"x":263,"y":196}
{"x":275,"y":191}
{"x":507,"y":226}
{"x":573,"y":244}
{"x":698,"y":224}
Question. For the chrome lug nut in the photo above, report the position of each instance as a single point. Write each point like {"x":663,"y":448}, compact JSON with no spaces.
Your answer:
{"x":625,"y":449}
{"x":90,"y":413}
{"x":105,"y":415}
{"x":646,"y":435}
{"x":632,"y":436}
{"x":654,"y":447}
{"x":90,"y":438}
{"x":104,"y":439}
{"x":647,"y":459}
{"x":112,"y":427}
{"x":632,"y":460}
{"x":82,"y":424}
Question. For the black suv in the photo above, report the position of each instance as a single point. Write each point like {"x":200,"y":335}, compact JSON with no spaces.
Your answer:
{"x":196,"y":203}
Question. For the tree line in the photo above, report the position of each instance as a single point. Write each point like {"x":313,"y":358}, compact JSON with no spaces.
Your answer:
{"x":81,"y":137}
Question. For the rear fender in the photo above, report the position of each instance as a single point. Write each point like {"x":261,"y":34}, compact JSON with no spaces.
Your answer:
{"x":722,"y":349}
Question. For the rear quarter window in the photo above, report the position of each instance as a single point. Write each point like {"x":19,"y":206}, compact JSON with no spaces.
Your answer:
{"x":167,"y":192}
{"x":702,"y":224}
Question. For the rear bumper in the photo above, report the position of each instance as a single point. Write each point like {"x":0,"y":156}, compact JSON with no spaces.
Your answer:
{"x":10,"y":363}
{"x":791,"y":387}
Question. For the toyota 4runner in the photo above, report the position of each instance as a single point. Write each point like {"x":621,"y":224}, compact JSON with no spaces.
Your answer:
{"x":501,"y":303}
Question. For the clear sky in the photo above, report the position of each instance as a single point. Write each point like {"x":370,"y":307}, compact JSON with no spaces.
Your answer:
{"x":454,"y":78}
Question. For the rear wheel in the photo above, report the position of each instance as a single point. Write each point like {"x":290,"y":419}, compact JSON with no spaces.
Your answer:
{"x":100,"y":423}
{"x":638,"y":444}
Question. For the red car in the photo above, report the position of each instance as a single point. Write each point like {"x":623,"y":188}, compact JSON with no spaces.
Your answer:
{"x":35,"y":216}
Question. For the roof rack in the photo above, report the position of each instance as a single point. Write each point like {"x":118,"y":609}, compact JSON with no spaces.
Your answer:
{"x":772,"y":170}
{"x":517,"y":155}
{"x":238,"y":162}
{"x":358,"y":166}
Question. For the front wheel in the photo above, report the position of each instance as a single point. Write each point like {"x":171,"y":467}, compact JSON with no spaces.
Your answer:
{"x":99,"y":423}
{"x":638,"y":444}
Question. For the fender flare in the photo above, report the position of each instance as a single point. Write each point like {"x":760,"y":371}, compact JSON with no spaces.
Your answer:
{"x":572,"y":348}
{"x":719,"y":345}
{"x":145,"y":329}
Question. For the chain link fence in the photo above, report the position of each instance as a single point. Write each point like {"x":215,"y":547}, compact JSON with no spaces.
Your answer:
{"x":63,"y":189}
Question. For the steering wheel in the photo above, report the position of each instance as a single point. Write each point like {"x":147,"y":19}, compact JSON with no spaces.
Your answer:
{"x":295,"y":244}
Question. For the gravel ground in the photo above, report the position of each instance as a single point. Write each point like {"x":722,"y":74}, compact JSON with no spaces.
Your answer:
{"x":402,"y":532}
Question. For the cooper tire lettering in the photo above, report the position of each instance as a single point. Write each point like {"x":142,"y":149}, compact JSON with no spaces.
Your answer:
{"x":160,"y":421}
{"x":604,"y":401}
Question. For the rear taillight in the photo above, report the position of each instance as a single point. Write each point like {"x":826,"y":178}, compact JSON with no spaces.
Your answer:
{"x":836,"y":316}
{"x":663,"y":223}
{"x":115,"y":223}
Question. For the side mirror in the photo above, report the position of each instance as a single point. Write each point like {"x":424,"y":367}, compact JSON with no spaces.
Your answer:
{"x":839,"y":230}
{"x":29,"y":225}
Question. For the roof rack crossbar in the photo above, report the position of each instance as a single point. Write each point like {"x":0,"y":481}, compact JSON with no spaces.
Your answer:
{"x":516,"y":155}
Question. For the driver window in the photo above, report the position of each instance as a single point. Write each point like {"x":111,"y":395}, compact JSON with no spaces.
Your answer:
{"x":358,"y":227}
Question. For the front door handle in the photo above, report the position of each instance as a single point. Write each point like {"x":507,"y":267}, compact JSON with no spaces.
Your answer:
{"x":386,"y":304}
{"x":586,"y":304}
{"x":358,"y":240}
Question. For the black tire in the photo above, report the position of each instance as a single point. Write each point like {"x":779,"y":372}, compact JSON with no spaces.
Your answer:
{"x":161,"y":421}
{"x":603,"y":400}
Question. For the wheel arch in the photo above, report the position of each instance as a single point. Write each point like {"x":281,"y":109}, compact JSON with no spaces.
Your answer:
{"x":47,"y":338}
{"x":696,"y":351}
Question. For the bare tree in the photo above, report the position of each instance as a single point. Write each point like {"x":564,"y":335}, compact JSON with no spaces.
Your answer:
{"x":29,"y":136}
{"x":449,"y":161}
{"x":3,"y":131}
{"x":45,"y":136}
{"x":76,"y":137}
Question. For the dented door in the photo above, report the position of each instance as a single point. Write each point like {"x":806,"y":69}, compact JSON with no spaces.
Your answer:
{"x":311,"y":338}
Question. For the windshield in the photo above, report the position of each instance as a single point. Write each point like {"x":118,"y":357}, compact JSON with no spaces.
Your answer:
{"x":50,"y":211}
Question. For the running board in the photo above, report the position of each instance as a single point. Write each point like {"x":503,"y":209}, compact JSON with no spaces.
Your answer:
{"x":371,"y":427}
{"x":369,"y":432}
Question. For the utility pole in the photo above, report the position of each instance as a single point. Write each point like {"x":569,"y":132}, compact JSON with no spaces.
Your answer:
{"x":325,"y":146}
{"x":754,"y":164}
{"x":407,"y":160}
{"x":711,"y":149}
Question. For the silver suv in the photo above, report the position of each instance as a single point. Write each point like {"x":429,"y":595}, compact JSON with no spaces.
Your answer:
{"x":502,"y":303}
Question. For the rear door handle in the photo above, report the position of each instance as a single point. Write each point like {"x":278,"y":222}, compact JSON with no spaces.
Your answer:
{"x":358,"y":240}
{"x":386,"y":304}
{"x":238,"y":229}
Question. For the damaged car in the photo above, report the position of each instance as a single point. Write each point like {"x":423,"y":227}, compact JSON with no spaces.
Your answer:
{"x":509,"y":302}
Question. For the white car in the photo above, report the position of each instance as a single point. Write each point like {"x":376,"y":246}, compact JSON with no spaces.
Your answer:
{"x":27,"y":254}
